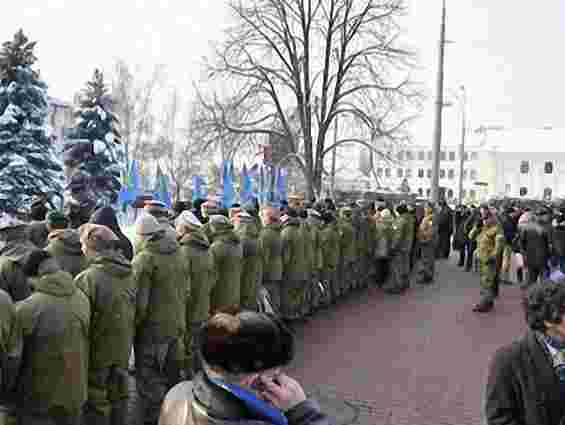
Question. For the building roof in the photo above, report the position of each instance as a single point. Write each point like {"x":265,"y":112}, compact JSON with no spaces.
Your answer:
{"x":527,"y":140}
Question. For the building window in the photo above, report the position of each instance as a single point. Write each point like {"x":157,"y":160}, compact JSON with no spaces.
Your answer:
{"x":421,"y":173}
{"x":474,"y":156}
{"x":547,"y":192}
{"x":421,"y":156}
{"x":409,"y":156}
{"x":473,"y":175}
{"x":428,"y":192}
{"x":472,"y":194}
{"x":408,"y":173}
{"x":524,"y":167}
{"x":452,"y":156}
{"x":523,"y":191}
{"x":420,"y":192}
{"x":430,"y":155}
{"x":548,"y":167}
{"x":387,"y":172}
{"x":450,"y":194}
{"x":442,"y":156}
{"x":451,"y":174}
{"x":429,"y":173}
{"x":466,"y":156}
{"x":399,"y":173}
{"x":442,"y":174}
{"x":507,"y":189}
{"x":400,"y":156}
{"x":379,"y":172}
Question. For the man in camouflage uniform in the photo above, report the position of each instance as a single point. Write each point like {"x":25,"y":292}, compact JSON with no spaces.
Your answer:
{"x":195,"y":248}
{"x":14,"y":246}
{"x":426,"y":241}
{"x":330,"y":248}
{"x":163,"y":292}
{"x":293,"y":285}
{"x":37,"y":230}
{"x":248,"y":232}
{"x":9,"y":356}
{"x":347,"y":250}
{"x":315,"y":225}
{"x":490,"y":243}
{"x":307,"y":237}
{"x":109,"y":284}
{"x":271,"y":246}
{"x":364,"y":247}
{"x":64,"y":244}
{"x":384,"y":233}
{"x":401,"y":245}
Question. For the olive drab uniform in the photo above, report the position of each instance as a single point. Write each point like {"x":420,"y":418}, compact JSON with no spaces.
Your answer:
{"x":319,"y":290}
{"x":384,"y":233}
{"x":9,"y":345}
{"x":426,"y":241}
{"x":65,"y":247}
{"x":309,"y":260}
{"x":248,"y":232}
{"x":54,"y":325}
{"x":163,"y":292}
{"x":490,"y":243}
{"x":348,"y":257}
{"x":195,"y":249}
{"x":109,"y":284}
{"x":364,"y":249}
{"x":330,"y":247}
{"x":12,"y":253}
{"x":271,"y":246}
{"x":400,"y":260}
{"x":293,"y":286}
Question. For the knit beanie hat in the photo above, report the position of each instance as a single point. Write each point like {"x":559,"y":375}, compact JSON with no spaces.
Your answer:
{"x":247,"y":342}
{"x":96,"y":236}
{"x":57,"y":219}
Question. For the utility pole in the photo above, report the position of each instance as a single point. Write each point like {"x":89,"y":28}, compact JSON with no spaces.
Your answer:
{"x":439,"y":109}
{"x":462,"y":146}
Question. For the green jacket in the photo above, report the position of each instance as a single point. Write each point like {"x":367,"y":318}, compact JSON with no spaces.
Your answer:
{"x":195,"y":249}
{"x":163,"y":288}
{"x":330,"y":243}
{"x":251,"y":262}
{"x":109,"y":284}
{"x":12,"y":279}
{"x":347,"y":240}
{"x":65,"y":246}
{"x":295,"y":261}
{"x":316,"y":227}
{"x":403,"y":236}
{"x":271,"y":244}
{"x":227,"y":256}
{"x":54,"y":323}
{"x":8,"y":343}
{"x":308,"y":238}
{"x":384,"y":235}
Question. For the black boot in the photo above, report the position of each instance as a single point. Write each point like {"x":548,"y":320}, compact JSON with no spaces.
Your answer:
{"x":484,"y":306}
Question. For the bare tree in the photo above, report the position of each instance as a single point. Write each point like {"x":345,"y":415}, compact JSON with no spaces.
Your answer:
{"x":135,"y":108}
{"x":315,"y":60}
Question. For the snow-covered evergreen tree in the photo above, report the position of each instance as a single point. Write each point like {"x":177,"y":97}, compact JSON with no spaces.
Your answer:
{"x":28,"y":163}
{"x":93,"y":151}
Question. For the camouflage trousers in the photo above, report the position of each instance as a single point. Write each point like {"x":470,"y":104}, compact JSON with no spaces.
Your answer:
{"x":399,"y":279}
{"x":274,"y":288}
{"x":487,"y":273}
{"x":158,"y":369}
{"x":425,"y":267}
{"x":292,"y":298}
{"x":107,"y":396}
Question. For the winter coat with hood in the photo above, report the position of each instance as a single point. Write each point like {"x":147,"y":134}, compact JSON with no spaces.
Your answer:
{"x":65,"y":247}
{"x":403,"y":233}
{"x":248,"y":233}
{"x":195,"y":249}
{"x":271,"y":244}
{"x":227,"y":255}
{"x":293,"y":247}
{"x":54,"y":323}
{"x":199,"y":402}
{"x":107,"y":217}
{"x":315,"y":226}
{"x":347,"y":238}
{"x":163,"y":288}
{"x":331,"y":246}
{"x":308,"y":238}
{"x":8,"y":342}
{"x":12,"y":253}
{"x":109,"y":284}
{"x":384,"y":234}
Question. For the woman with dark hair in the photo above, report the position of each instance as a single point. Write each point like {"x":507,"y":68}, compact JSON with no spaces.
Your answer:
{"x":526,"y":380}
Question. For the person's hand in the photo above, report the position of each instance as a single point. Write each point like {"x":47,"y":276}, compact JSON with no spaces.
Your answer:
{"x":283,"y":392}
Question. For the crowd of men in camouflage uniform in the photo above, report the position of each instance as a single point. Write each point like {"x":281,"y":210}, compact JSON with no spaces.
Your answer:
{"x":76,"y":295}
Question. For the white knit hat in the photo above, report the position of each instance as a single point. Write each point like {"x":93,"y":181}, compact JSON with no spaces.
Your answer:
{"x":187,"y":218}
{"x":146,"y":225}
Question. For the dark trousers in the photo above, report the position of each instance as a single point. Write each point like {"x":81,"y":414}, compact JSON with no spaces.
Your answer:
{"x":534,"y":273}
{"x":158,"y":370}
{"x":107,"y":396}
{"x":382,"y":270}
{"x":470,"y":247}
{"x":31,"y":417}
{"x":444,"y":245}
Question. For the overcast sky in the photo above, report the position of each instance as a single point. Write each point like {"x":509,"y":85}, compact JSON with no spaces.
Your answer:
{"x":507,"y":53}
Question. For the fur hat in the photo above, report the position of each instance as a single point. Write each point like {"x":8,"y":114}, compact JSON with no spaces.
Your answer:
{"x":146,"y":225}
{"x":247,"y":342}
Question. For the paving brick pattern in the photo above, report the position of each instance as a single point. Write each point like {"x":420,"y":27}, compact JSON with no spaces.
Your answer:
{"x":419,"y":358}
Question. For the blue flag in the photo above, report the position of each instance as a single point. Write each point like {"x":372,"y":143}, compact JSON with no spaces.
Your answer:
{"x":161,"y":189}
{"x":246,"y":188}
{"x":228,"y":193}
{"x":281,"y":185}
{"x":198,"y":191}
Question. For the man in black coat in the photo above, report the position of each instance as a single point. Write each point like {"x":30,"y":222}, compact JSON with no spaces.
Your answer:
{"x":445,"y":228}
{"x":526,"y":379}
{"x":535,"y":246}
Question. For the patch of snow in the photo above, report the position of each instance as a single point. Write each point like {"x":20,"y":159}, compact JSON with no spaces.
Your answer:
{"x":99,"y":147}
